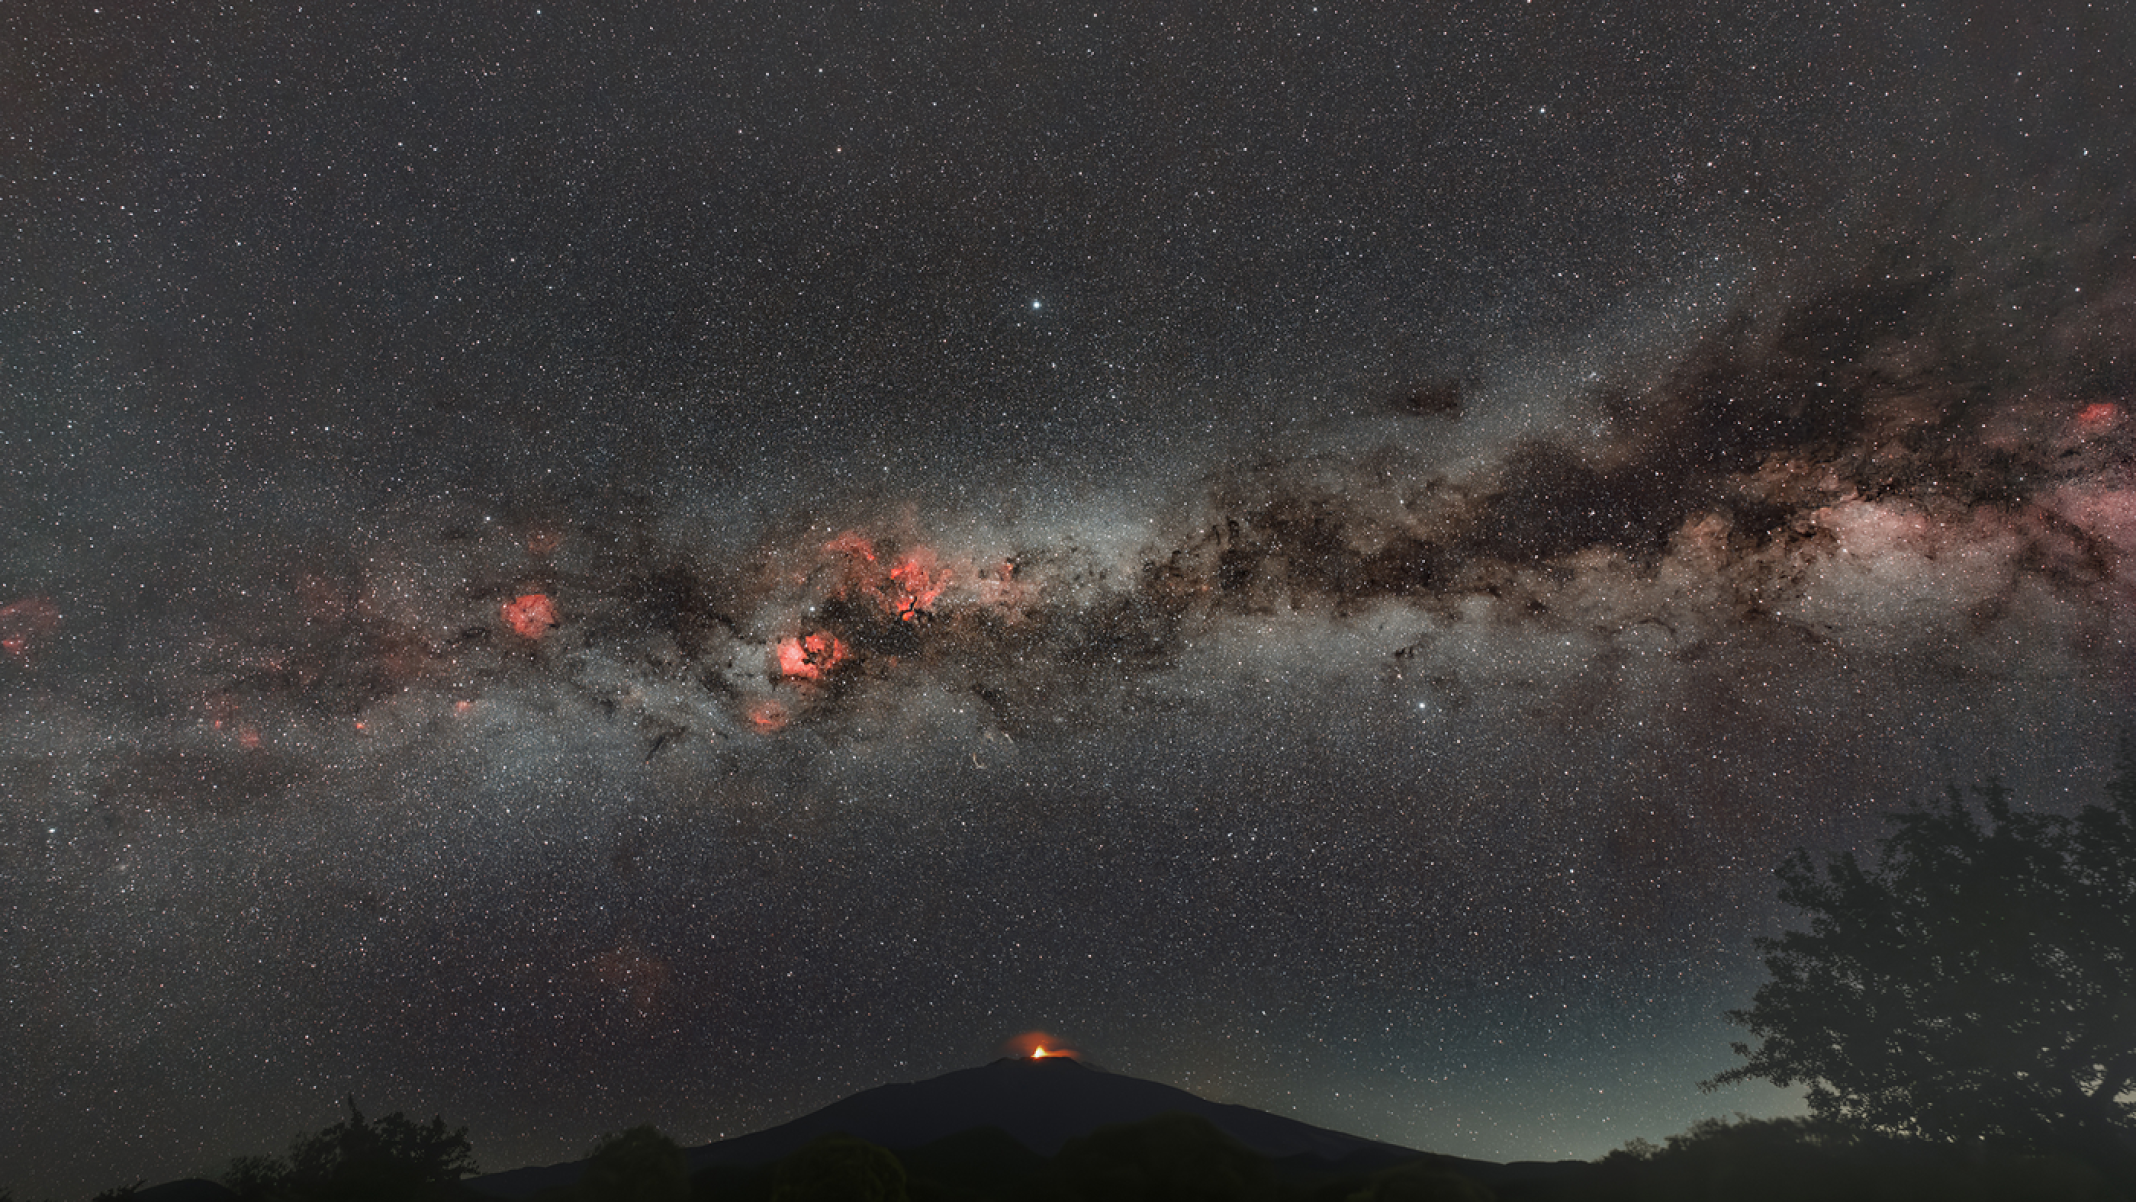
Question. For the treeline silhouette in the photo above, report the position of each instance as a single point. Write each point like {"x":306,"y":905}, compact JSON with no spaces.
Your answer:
{"x":1169,"y":1158}
{"x":1972,"y":985}
{"x":1184,"y":1158}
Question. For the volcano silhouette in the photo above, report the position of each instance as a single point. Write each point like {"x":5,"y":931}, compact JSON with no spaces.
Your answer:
{"x":1041,"y":1104}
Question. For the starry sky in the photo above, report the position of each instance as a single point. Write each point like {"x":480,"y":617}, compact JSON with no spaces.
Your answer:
{"x":566,"y":566}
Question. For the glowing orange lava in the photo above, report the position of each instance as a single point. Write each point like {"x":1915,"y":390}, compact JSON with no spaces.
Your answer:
{"x":531,"y":616}
{"x":1038,"y":1045}
{"x":809,"y":656}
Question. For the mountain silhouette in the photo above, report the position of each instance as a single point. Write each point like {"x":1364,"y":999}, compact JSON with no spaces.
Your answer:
{"x":1040,"y":1103}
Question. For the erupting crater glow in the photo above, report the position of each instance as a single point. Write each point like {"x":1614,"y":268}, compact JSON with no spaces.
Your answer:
{"x":1040,"y":1045}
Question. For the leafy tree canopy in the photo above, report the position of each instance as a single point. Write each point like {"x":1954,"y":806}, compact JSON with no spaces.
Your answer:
{"x":638,"y":1165}
{"x":1976,"y":984}
{"x":359,"y":1160}
{"x":1786,"y":1159}
{"x":840,"y":1168}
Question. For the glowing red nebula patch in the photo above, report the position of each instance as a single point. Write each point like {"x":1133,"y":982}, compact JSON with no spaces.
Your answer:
{"x":919,"y":584}
{"x":809,"y":656}
{"x":2098,"y":415}
{"x":999,"y":588}
{"x":27,"y":624}
{"x":853,"y":543}
{"x":908,"y":588}
{"x":636,"y":978}
{"x":767,"y":716}
{"x":531,"y":616}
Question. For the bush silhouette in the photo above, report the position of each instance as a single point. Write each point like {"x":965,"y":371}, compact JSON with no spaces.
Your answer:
{"x":1976,"y":986}
{"x":1169,"y":1158}
{"x":840,"y":1168}
{"x":393,"y":1159}
{"x":638,"y":1165}
{"x":1783,"y":1160}
{"x":1423,"y":1183}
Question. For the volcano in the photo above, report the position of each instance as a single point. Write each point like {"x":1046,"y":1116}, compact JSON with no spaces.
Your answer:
{"x":1041,"y":1103}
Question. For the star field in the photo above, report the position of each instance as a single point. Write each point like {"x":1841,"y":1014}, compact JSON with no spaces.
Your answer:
{"x":570,"y":567}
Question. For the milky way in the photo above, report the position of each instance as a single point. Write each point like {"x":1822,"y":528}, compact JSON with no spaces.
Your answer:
{"x":582,"y":576}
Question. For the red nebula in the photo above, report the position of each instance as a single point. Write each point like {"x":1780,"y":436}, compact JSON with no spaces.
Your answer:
{"x":907,"y":589}
{"x":919,"y":584}
{"x":1001,"y":589}
{"x":2098,"y":415}
{"x":26,"y":623}
{"x":852,"y":543}
{"x":531,"y":616}
{"x":810,"y":656}
{"x":767,"y":715}
{"x":637,"y":978}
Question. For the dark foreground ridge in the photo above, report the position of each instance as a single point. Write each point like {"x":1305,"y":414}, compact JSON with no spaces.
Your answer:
{"x":1057,"y":1131}
{"x":1040,"y":1104}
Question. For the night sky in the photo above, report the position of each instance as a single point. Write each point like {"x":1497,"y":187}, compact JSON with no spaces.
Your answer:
{"x":567,"y":567}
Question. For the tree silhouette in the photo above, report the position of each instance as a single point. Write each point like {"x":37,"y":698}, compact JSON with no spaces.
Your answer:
{"x":1785,"y":1159}
{"x":1977,"y":985}
{"x":357,"y":1160}
{"x":1422,"y":1183}
{"x":840,"y":1168}
{"x":1166,"y":1158}
{"x":638,"y":1165}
